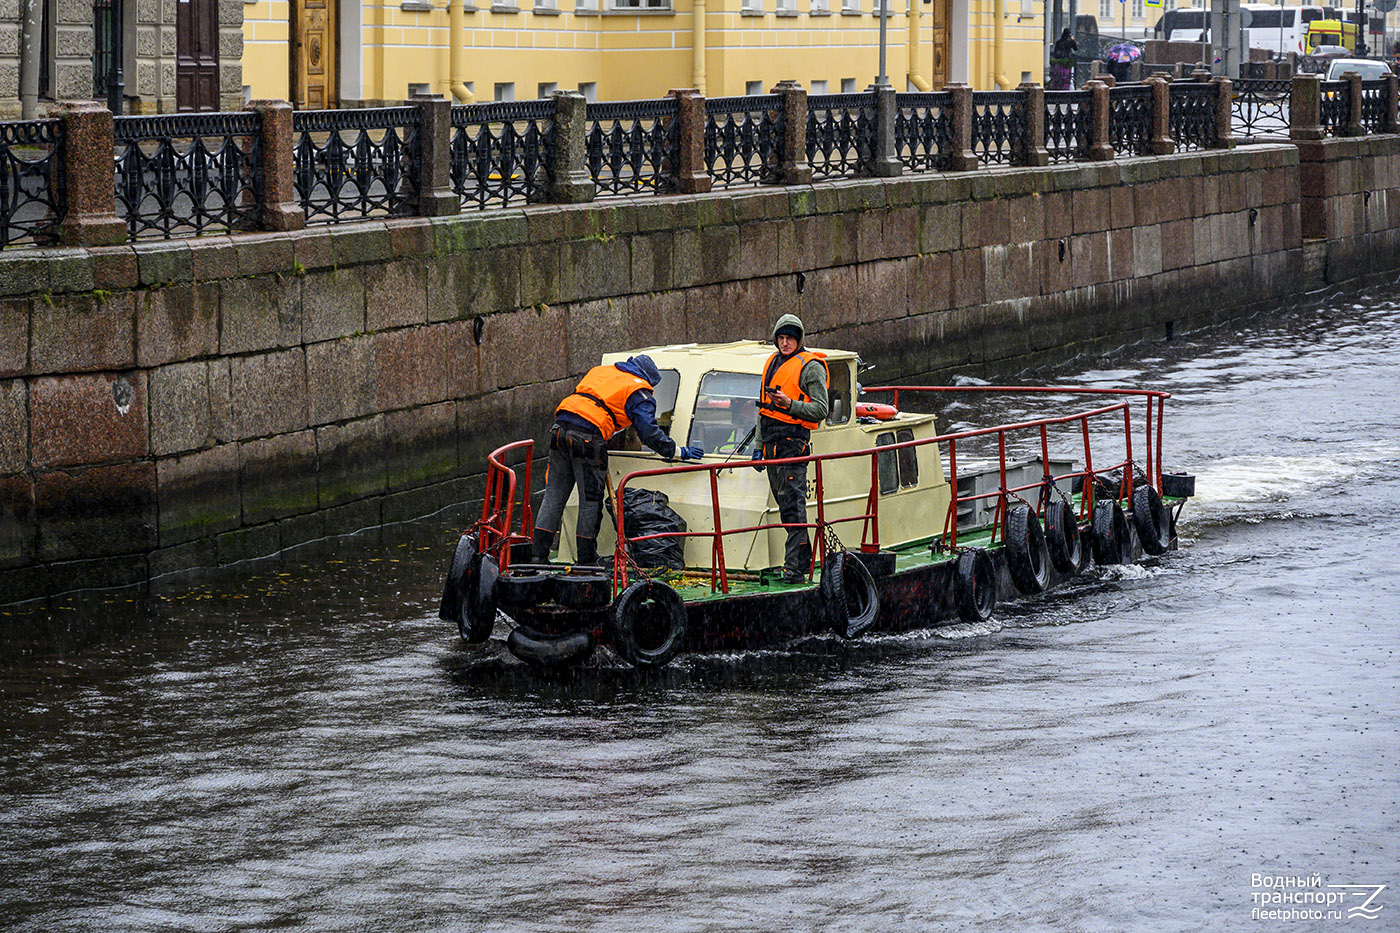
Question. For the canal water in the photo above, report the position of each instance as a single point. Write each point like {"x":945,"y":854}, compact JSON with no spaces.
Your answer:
{"x":303,"y":745}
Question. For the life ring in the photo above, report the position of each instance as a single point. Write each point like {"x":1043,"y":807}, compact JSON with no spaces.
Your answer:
{"x":462,"y":558}
{"x":549,"y":651}
{"x":582,"y":590}
{"x":1062,"y":537}
{"x":1110,"y":534}
{"x":1153,"y":521}
{"x":848,"y":590}
{"x":647,"y":624}
{"x":876,"y":410}
{"x":976,"y":585}
{"x":1025,"y":550}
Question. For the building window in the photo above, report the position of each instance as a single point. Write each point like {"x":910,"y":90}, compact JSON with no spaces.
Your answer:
{"x":850,"y":6}
{"x":546,"y":4}
{"x":589,"y":90}
{"x":1105,"y":10}
{"x":641,"y":4}
{"x":505,"y":91}
{"x":419,"y":90}
{"x":848,"y":85}
{"x":547,"y":88}
{"x":820,"y":6}
{"x":753,"y":87}
{"x":818,"y":86}
{"x":1138,"y":12}
{"x":787,"y":6}
{"x":587,"y":6}
{"x":753,"y":6}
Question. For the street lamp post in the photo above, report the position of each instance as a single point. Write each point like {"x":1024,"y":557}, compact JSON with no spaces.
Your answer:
{"x":883,"y":79}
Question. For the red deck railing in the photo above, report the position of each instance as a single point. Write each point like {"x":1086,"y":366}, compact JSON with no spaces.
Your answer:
{"x":498,"y":529}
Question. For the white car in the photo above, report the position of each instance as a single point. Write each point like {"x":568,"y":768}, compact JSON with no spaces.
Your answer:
{"x":1369,"y":69}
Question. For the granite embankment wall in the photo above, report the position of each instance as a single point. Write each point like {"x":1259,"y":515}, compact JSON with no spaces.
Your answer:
{"x":192,"y":403}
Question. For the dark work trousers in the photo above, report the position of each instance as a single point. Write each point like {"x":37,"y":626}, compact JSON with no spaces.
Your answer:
{"x":575,"y":456}
{"x":789,"y":484}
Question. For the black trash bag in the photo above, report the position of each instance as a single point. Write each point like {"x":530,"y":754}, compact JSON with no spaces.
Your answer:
{"x":647,"y":512}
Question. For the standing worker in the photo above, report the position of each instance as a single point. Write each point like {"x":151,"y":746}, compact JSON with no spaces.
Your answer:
{"x":792,"y":404}
{"x":609,"y":398}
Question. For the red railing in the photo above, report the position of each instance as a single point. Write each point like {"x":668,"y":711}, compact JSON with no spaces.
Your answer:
{"x":498,"y":507}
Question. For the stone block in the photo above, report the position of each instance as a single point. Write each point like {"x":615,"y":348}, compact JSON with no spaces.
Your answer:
{"x":264,"y":253}
{"x":313,"y":249}
{"x":259,"y":314}
{"x":359,"y":515}
{"x":469,"y":284}
{"x":14,"y":426}
{"x":1025,"y":219}
{"x":14,"y":335}
{"x":719,"y":255}
{"x":247,"y":543}
{"x":364,"y":242}
{"x":79,"y":333}
{"x":968,"y":278}
{"x":464,"y":358}
{"x":1178,"y":244}
{"x":1059,"y":214}
{"x":70,"y":270}
{"x":277,"y":476}
{"x":421,"y":445}
{"x":101,"y":511}
{"x":22,"y":274}
{"x":198,"y":495}
{"x":396,"y":294}
{"x":1092,"y":210}
{"x":268,"y":393}
{"x":523,"y":347}
{"x":651,"y":262}
{"x":1051,"y":259}
{"x":1088,"y":259}
{"x":1121,"y":207}
{"x":592,"y":329}
{"x":543,"y":274}
{"x":759,"y":252}
{"x":831,"y":300}
{"x":352,"y":459}
{"x":985,"y":223}
{"x":340,"y":380}
{"x":1009,"y":272}
{"x":18,"y":532}
{"x":221,"y":401}
{"x":113,"y":267}
{"x":884,"y":287}
{"x":1120,"y":254}
{"x":332,"y":304}
{"x":411,"y":237}
{"x":162,"y":263}
{"x":180,"y":417}
{"x":656,"y":319}
{"x":176,"y":323}
{"x":930,"y":283}
{"x":1147,"y":251}
{"x":410,"y":366}
{"x":75,"y":420}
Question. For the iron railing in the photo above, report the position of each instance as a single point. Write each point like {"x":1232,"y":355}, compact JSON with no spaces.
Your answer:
{"x":744,"y":139}
{"x":188,"y":173}
{"x":840,"y":134}
{"x":1192,"y":112}
{"x":355,"y":163}
{"x":1067,"y":125}
{"x":633,"y":145}
{"x":1335,"y":106}
{"x":502,"y":152}
{"x":999,"y":127}
{"x":923,"y":131}
{"x":1260,"y":107}
{"x":32,"y":194}
{"x":1373,"y":105}
{"x":1130,"y":119}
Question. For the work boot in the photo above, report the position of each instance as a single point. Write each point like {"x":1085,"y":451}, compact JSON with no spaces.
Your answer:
{"x":587,"y":551}
{"x":541,"y":546}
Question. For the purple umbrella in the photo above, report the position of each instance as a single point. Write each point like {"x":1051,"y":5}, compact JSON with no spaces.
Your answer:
{"x":1123,"y":52}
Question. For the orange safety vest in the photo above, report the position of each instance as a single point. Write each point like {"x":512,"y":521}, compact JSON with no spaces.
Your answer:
{"x":601,"y":398}
{"x":787,"y":378}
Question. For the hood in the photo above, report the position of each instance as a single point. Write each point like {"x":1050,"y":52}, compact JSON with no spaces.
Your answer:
{"x":641,"y":365}
{"x":790,"y":320}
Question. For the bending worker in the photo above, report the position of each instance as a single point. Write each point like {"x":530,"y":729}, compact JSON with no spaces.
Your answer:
{"x":792,"y":403}
{"x":609,"y":398}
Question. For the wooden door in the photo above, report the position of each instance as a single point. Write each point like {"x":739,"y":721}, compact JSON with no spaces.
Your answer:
{"x":197,"y":55}
{"x":314,"y":54}
{"x":942,"y":12}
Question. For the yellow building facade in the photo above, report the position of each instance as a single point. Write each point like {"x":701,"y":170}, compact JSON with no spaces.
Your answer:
{"x":320,"y":53}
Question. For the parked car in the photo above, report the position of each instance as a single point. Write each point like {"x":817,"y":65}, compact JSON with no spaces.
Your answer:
{"x":1369,"y":69}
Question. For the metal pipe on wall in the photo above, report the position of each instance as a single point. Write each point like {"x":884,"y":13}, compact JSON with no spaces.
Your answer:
{"x":29,"y":51}
{"x":916,"y":79}
{"x":998,"y":44}
{"x":697,"y":45}
{"x":457,"y":51}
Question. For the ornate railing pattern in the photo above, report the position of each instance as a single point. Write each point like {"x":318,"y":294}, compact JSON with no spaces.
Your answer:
{"x":1130,"y":119}
{"x":923,"y":131}
{"x":188,"y":173}
{"x":502,"y":152}
{"x":633,"y":145}
{"x":355,"y":163}
{"x":1192,"y":114}
{"x":1373,"y":105}
{"x":840,"y":134}
{"x":32,"y":194}
{"x":1260,"y":107}
{"x":743,"y":139}
{"x":1335,"y":107}
{"x":1067,"y":119}
{"x":999,"y":127}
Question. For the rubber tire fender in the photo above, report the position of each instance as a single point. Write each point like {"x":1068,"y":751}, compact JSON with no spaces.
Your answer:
{"x":477,"y":617}
{"x":1153,"y":521}
{"x":642,"y":611}
{"x":549,"y":652}
{"x":848,"y":592}
{"x":452,"y":590}
{"x":1062,"y":537}
{"x":582,"y":590}
{"x":976,"y":585}
{"x":1110,"y":534}
{"x":1026,"y":557}
{"x":525,"y":588}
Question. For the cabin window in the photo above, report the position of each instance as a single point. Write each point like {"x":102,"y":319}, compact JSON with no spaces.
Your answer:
{"x":838,"y":394}
{"x":908,"y":459}
{"x":726,"y":412}
{"x":665,"y":392}
{"x":889,"y":465}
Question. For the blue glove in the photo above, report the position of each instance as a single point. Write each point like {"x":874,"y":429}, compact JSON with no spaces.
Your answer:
{"x":692,"y":453}
{"x":758,"y":455}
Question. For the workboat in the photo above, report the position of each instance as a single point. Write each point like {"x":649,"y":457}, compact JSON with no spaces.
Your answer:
{"x":910,"y":528}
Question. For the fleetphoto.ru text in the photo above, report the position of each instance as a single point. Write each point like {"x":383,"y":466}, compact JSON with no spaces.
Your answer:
{"x":1306,"y":897}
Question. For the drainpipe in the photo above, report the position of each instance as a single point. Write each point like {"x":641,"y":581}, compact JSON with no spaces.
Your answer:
{"x":29,"y":47}
{"x":916,"y":79}
{"x":998,"y":44}
{"x":697,"y":46}
{"x":457,"y":51}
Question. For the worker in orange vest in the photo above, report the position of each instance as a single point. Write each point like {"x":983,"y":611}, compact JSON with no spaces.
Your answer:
{"x":793,"y":403}
{"x":609,"y":398}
